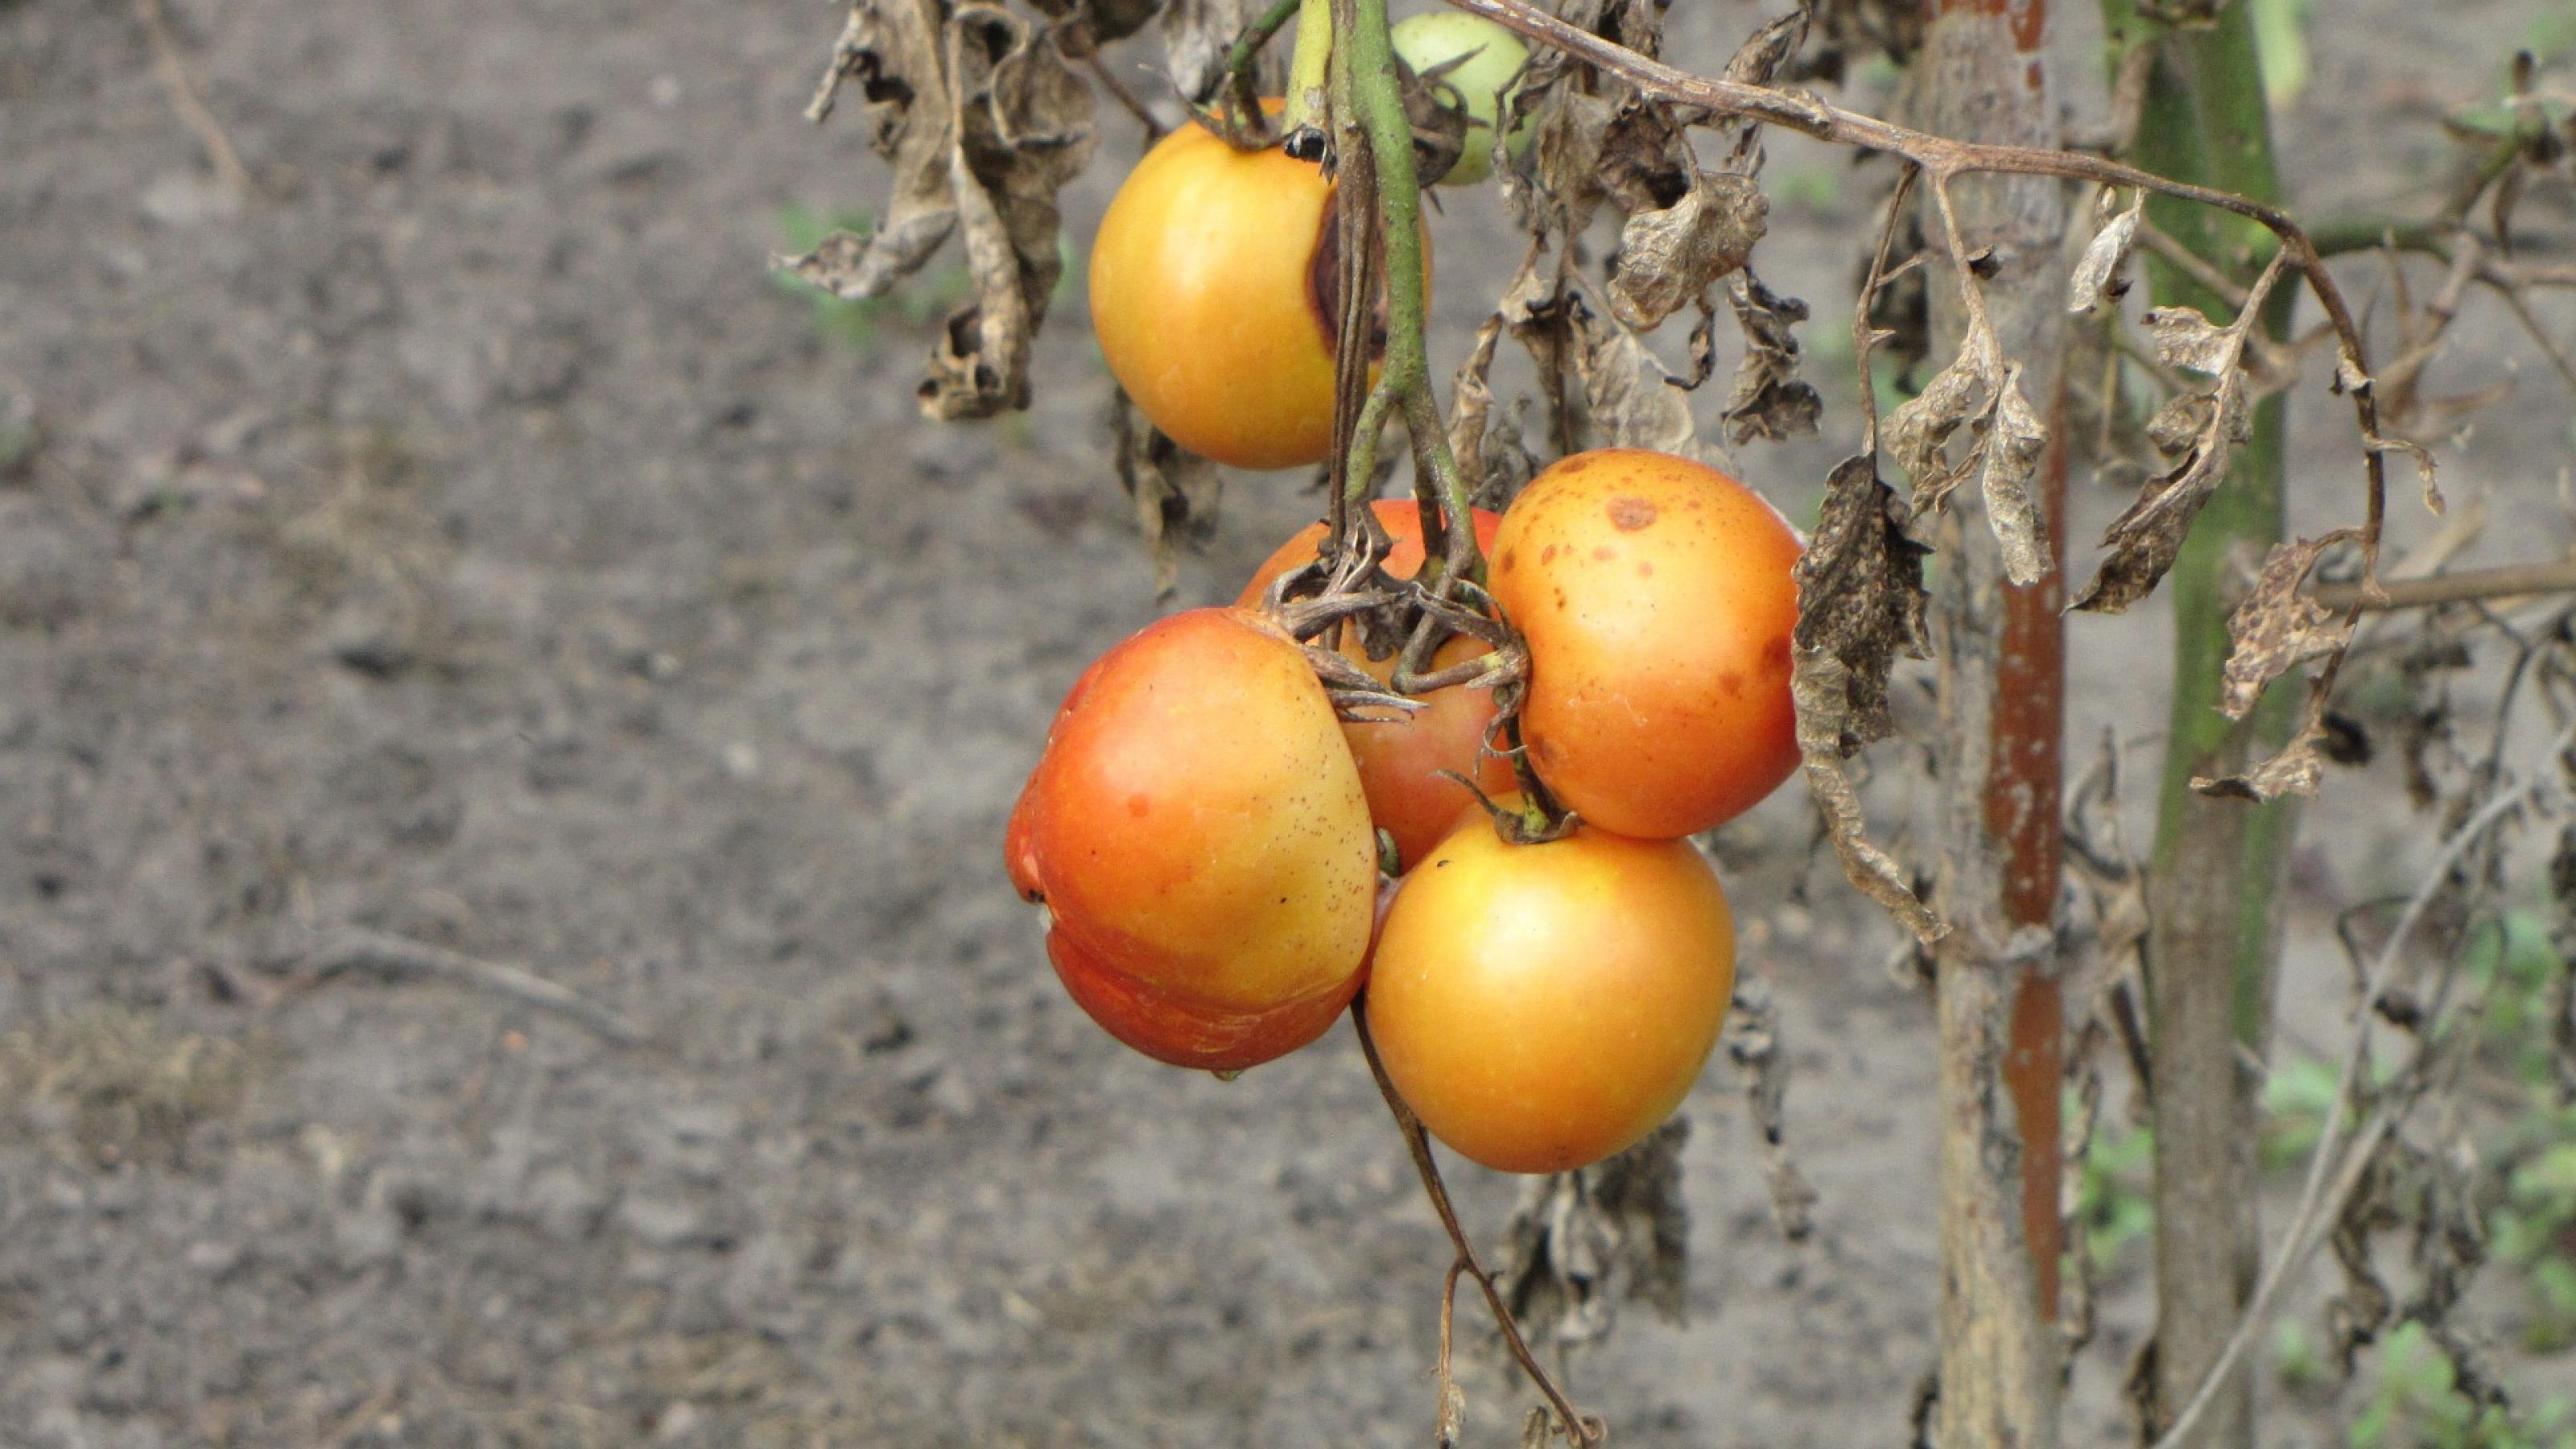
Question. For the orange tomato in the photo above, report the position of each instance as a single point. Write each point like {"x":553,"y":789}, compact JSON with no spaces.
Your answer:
{"x":1198,"y":832}
{"x":1541,"y":1007}
{"x":1657,"y":600}
{"x":1211,"y":284}
{"x":1400,"y":760}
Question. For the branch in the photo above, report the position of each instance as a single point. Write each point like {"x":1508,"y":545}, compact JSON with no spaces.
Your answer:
{"x":1587,"y":1433}
{"x":2344,"y":1165}
{"x":2506,"y":581}
{"x":397,"y":956}
{"x":1942,"y":158}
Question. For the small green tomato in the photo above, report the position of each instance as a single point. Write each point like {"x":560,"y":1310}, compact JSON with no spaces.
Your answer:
{"x":1493,"y":57}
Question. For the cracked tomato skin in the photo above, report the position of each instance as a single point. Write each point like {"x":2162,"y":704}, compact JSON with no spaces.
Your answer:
{"x":1541,"y":1007}
{"x":1198,"y":833}
{"x":1657,"y":598}
{"x":1400,"y":760}
{"x":1204,"y":296}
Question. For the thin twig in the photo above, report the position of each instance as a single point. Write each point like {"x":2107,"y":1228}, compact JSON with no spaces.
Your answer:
{"x":2332,"y":1162}
{"x":1583,"y":1431}
{"x":397,"y":956}
{"x":230,"y":173}
{"x":2507,"y":581}
{"x":2188,"y":262}
{"x":1134,"y":104}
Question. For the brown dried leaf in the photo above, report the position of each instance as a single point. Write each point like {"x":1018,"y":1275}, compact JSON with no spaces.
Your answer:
{"x":2184,"y":338}
{"x":2144,"y":541}
{"x":1860,"y":605}
{"x":2293,"y":771}
{"x":1629,"y":400}
{"x":2015,"y":442}
{"x":1488,"y":447}
{"x":1769,"y":401}
{"x":1175,"y":490}
{"x":1582,"y":1241}
{"x":1753,"y":1044}
{"x":1670,"y":257}
{"x":1198,"y":34}
{"x":2277,"y":628}
{"x":891,"y":49}
{"x":2097,"y":272}
{"x":1918,"y":432}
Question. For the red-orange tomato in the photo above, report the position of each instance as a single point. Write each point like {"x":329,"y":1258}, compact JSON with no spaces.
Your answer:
{"x":1211,"y":285}
{"x":1657,"y":599}
{"x":1400,"y":760}
{"x":1541,"y":1007}
{"x":1199,"y":835}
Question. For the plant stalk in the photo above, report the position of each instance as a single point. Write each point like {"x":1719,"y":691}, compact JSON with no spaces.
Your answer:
{"x":2215,"y":878}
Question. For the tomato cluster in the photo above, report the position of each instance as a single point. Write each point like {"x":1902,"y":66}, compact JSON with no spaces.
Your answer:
{"x":1203,"y":826}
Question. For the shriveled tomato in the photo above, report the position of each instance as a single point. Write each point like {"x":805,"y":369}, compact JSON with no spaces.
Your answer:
{"x":1656,"y":596}
{"x":1541,"y":1007}
{"x":1400,"y":760}
{"x":1199,"y":835}
{"x":1213,"y":293}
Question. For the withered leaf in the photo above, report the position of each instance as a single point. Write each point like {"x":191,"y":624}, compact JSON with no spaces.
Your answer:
{"x":1769,"y":401}
{"x":1629,"y":399}
{"x":2184,"y":338}
{"x":1860,"y":605}
{"x":1753,"y":1044}
{"x":2278,"y":628}
{"x":2016,"y":442}
{"x":1581,"y":1241}
{"x":1669,"y":257}
{"x":1488,"y":447}
{"x":2097,"y":271}
{"x":2203,"y":429}
{"x":2294,"y":771}
{"x":1175,"y":490}
{"x":984,"y":121}
{"x":1198,"y":34}
{"x":1918,"y":432}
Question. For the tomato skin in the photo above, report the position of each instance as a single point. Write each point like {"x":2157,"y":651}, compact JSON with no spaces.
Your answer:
{"x":1400,"y":760}
{"x":1202,"y":295}
{"x":1657,"y":599}
{"x":1541,"y":1007}
{"x":1184,"y":1032}
{"x":1196,"y":827}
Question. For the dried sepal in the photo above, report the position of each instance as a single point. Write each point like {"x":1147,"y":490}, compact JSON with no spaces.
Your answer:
{"x":1175,"y":490}
{"x":1769,"y":401}
{"x":1669,"y":257}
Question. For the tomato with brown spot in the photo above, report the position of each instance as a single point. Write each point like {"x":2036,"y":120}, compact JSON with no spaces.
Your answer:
{"x":1400,"y":760}
{"x":1657,"y":598}
{"x":1541,"y":1007}
{"x":1198,"y":833}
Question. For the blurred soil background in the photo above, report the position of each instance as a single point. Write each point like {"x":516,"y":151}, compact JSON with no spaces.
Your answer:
{"x":465,"y":539}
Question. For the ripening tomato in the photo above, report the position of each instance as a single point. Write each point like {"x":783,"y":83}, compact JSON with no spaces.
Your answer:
{"x":1400,"y":760}
{"x":1541,"y":1007}
{"x":1213,"y":286}
{"x":1657,"y":600}
{"x":1199,"y":835}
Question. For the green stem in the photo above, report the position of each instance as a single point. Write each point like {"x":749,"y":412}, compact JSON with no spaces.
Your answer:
{"x":1307,"y":67}
{"x":1240,"y":89}
{"x":2215,"y":883}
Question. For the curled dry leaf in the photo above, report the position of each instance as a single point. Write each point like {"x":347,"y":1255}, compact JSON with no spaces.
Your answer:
{"x":1860,"y":605}
{"x":1197,"y":36}
{"x":1488,"y":446}
{"x":2277,"y":628}
{"x":2097,"y":272}
{"x":1175,"y":490}
{"x":2015,"y":443}
{"x":1918,"y":432}
{"x":2199,"y":431}
{"x":2292,"y":771}
{"x":1580,"y":1242}
{"x":1670,"y":257}
{"x":983,"y":121}
{"x":1753,"y":1044}
{"x":1769,"y":401}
